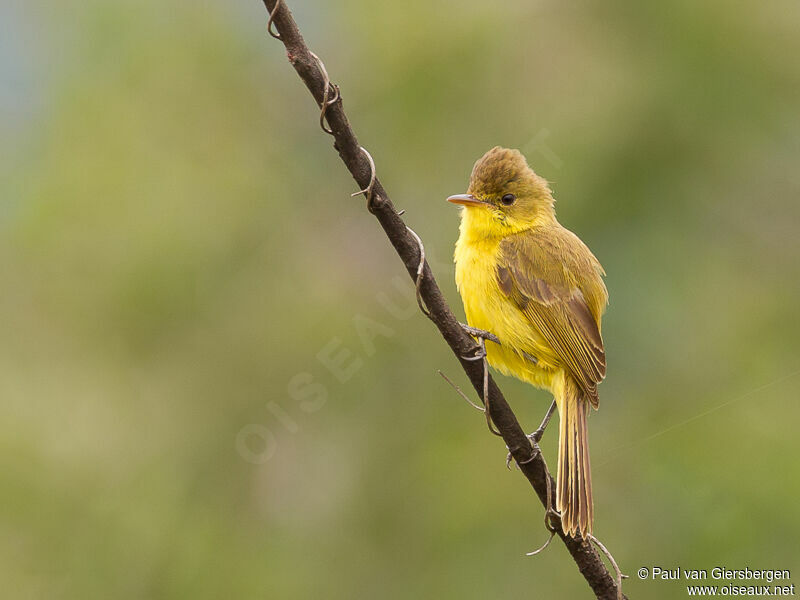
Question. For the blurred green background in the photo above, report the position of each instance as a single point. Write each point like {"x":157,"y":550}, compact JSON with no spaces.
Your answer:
{"x":178,"y":247}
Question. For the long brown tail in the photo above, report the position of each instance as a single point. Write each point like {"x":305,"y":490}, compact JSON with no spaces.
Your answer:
{"x":574,"y":489}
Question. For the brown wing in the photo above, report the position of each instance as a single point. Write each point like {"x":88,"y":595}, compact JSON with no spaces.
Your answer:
{"x":556,"y":281}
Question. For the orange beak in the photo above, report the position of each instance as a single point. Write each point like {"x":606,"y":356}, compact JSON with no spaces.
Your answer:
{"x":466,"y":200}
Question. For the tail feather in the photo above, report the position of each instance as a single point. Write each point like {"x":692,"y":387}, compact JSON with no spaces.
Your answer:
{"x":574,"y":489}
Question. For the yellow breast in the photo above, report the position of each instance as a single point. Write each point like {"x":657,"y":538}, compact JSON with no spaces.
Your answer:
{"x":488,"y":308}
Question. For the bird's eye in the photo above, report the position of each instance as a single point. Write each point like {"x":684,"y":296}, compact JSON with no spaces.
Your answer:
{"x":508,"y":199}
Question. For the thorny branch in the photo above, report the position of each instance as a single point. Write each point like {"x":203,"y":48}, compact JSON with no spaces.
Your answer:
{"x":409,"y":247}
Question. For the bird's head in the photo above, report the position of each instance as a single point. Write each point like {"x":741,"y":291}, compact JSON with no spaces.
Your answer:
{"x":504,"y":195}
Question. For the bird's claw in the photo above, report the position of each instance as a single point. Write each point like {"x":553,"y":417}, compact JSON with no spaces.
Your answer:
{"x":536,"y":436}
{"x":480,"y":333}
{"x":534,"y":445}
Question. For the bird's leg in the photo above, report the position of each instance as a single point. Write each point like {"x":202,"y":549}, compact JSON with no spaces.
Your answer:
{"x":488,"y":335}
{"x":535,"y":437}
{"x":480,"y":333}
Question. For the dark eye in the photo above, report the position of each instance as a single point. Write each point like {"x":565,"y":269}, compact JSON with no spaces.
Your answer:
{"x":508,"y":199}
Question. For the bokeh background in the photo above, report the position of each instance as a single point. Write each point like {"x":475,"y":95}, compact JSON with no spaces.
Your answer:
{"x":179,"y":255}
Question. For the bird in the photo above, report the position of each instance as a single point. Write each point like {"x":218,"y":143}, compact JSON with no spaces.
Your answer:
{"x":535,"y":287}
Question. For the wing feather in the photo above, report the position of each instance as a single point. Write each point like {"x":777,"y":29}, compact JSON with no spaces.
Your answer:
{"x":556,"y":282}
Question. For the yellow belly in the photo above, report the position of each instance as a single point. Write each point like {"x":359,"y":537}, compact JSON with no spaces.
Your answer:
{"x":488,"y":308}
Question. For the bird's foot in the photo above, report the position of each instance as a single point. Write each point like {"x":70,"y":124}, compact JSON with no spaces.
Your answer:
{"x":535,"y":438}
{"x":480,"y":333}
{"x":534,"y":441}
